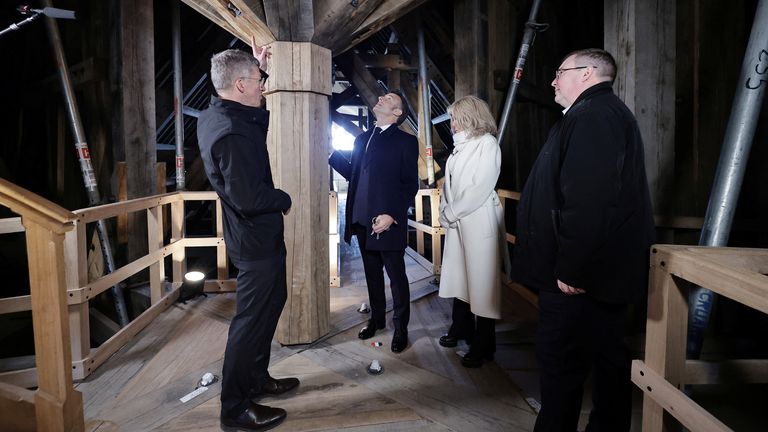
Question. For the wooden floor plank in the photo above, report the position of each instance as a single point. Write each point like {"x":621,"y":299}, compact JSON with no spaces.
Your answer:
{"x":324,"y":401}
{"x":430,"y":395}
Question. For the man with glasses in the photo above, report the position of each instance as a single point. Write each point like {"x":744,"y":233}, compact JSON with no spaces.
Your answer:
{"x":585,"y":225}
{"x":383,"y":180}
{"x":232,"y":136}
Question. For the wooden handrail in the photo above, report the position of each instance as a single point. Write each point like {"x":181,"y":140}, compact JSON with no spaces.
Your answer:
{"x":732,"y":272}
{"x":28,"y":205}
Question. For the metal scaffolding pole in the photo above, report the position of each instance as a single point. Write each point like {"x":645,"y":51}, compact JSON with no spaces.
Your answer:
{"x":426,"y":110}
{"x":83,"y":155}
{"x":531,"y":28}
{"x":178,"y":96}
{"x":750,"y":92}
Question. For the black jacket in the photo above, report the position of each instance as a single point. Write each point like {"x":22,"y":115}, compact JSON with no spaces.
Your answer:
{"x":392,"y":161}
{"x":232,"y":139}
{"x":585,"y":214}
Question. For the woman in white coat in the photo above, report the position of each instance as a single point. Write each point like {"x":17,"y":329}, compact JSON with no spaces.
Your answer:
{"x":471,"y":213}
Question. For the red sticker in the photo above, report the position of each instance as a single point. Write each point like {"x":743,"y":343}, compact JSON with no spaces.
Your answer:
{"x":518,"y":74}
{"x":84,"y":153}
{"x":179,"y":162}
{"x":428,"y":151}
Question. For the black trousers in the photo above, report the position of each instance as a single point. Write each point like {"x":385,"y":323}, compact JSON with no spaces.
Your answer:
{"x":394,"y":262}
{"x":577,"y":334}
{"x":479,"y":331}
{"x":261,"y":295}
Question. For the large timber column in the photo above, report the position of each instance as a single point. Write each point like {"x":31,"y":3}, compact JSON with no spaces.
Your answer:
{"x":298,"y":92}
{"x":642,"y":36}
{"x":138,"y":112}
{"x":470,"y":24}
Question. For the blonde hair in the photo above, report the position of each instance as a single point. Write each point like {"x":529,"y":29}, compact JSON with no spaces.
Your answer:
{"x":472,"y":115}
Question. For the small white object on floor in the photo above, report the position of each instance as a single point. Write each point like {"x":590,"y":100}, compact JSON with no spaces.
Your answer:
{"x":364,"y":308}
{"x":375,"y":368}
{"x":189,"y":396}
{"x":208,"y":378}
{"x":461,"y":353}
{"x":536,"y":405}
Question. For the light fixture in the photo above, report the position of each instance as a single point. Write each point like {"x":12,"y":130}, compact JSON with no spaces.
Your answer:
{"x":194,"y":282}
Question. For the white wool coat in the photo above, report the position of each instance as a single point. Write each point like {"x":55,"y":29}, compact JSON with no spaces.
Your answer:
{"x":471,"y":213}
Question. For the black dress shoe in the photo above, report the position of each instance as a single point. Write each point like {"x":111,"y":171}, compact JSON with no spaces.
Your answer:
{"x":275,"y":387}
{"x":448,"y":341}
{"x":369,"y":330}
{"x":256,"y":417}
{"x":399,"y":341}
{"x":474,"y":360}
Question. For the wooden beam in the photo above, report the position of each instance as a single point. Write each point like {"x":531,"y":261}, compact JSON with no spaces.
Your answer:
{"x":388,"y":12}
{"x":298,"y":144}
{"x":666,"y":329}
{"x":674,"y":402}
{"x":11,"y":225}
{"x":138,"y":111}
{"x":246,"y":19}
{"x":341,"y":99}
{"x":747,"y":371}
{"x":470,"y":24}
{"x":386,"y":61}
{"x":343,"y":121}
{"x":335,"y":20}
{"x":17,"y":408}
{"x":642,"y":36}
{"x":58,"y":406}
{"x":290,"y":20}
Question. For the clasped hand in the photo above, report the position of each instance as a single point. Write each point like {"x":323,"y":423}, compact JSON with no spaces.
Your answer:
{"x":382,"y":223}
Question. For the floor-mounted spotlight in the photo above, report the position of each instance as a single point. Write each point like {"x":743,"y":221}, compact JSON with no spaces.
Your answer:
{"x":194,"y":282}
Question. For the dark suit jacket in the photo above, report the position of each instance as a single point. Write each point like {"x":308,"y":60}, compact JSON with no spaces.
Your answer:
{"x":392,"y":161}
{"x":232,"y":140}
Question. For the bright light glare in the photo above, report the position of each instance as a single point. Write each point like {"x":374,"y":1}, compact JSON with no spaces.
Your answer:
{"x":194,"y":276}
{"x":341,"y":139}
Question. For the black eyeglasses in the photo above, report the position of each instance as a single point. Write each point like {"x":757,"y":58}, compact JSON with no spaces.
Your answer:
{"x":560,"y":71}
{"x":262,"y":80}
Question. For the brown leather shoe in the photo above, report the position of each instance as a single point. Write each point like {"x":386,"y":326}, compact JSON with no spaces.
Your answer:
{"x":256,"y":418}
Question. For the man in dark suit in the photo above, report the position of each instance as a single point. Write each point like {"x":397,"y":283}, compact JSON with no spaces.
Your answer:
{"x":383,"y":180}
{"x":584,"y":227}
{"x":232,"y":136}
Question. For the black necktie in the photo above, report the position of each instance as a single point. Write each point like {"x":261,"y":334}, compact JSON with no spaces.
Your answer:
{"x":376,"y":131}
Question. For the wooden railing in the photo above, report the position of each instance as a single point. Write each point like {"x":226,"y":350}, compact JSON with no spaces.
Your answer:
{"x":55,"y":405}
{"x":433,"y":228}
{"x":739,"y":274}
{"x":60,"y":292}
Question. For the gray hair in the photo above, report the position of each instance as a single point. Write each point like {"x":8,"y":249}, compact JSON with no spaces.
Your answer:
{"x":229,"y":65}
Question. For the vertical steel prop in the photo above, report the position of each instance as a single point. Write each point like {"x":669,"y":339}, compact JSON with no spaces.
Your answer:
{"x":178,"y":95}
{"x":531,"y":28}
{"x":750,"y":92}
{"x":425,"y":99}
{"x":83,"y":155}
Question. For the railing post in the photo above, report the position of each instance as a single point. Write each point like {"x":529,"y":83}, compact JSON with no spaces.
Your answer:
{"x":177,"y":233}
{"x":155,"y":242}
{"x":58,"y":406}
{"x":420,"y":218}
{"x":76,"y":274}
{"x":222,"y":261}
{"x":437,"y":239}
{"x":666,"y":329}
